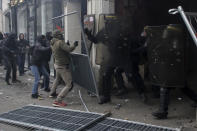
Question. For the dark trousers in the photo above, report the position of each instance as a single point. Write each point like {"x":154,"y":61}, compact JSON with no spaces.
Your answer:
{"x":28,"y":60}
{"x":105,"y":80}
{"x":10,"y":64}
{"x":136,"y":79}
{"x":47,"y":67}
{"x":21,"y":63}
{"x":1,"y":57}
{"x":165,"y":94}
{"x":133,"y":76}
{"x":119,"y":78}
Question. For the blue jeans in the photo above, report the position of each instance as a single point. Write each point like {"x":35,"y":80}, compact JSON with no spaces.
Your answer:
{"x":21,"y":63}
{"x":36,"y":70}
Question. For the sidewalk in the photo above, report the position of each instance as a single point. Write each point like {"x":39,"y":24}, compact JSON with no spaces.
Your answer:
{"x":181,"y":114}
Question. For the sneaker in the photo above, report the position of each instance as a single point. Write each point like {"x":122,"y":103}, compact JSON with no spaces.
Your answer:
{"x":144,"y":98}
{"x":53,"y":95}
{"x":16,"y":81}
{"x":59,"y":104}
{"x":47,"y":90}
{"x":36,"y":96}
{"x":104,"y":100}
{"x":121,"y":92}
{"x":7,"y":82}
{"x":21,"y":74}
{"x":160,"y":115}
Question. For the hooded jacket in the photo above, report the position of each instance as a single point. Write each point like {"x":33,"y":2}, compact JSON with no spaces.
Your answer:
{"x":10,"y":48}
{"x":22,"y":46}
{"x":37,"y":51}
{"x":60,"y":49}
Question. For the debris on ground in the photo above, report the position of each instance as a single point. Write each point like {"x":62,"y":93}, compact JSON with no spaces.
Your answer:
{"x":118,"y":106}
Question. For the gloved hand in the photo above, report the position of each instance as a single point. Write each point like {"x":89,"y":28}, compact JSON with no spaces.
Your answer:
{"x":12,"y":52}
{"x":68,"y":42}
{"x":76,"y":43}
{"x":87,"y":32}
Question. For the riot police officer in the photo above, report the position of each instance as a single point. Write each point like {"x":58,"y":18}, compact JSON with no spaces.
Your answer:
{"x":135,"y":47}
{"x":107,"y":65}
{"x":166,"y":57}
{"x":117,"y":54}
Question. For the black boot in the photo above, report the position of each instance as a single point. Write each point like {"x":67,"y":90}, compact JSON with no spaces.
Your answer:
{"x":106,"y":97}
{"x":7,"y":81}
{"x":156,"y":92}
{"x":104,"y":100}
{"x":162,"y":113}
{"x":190,"y":93}
{"x":53,"y":95}
{"x":121,"y":92}
{"x":144,"y":98}
{"x":16,"y":81}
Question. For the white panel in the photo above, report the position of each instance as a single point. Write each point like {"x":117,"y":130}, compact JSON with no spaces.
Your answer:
{"x":5,"y":4}
{"x":89,"y":7}
{"x":72,"y":25}
{"x":105,"y":7}
{"x":1,"y":21}
{"x":43,"y":18}
{"x":5,"y":20}
{"x":21,"y":20}
{"x":112,"y":6}
{"x":65,"y":22}
{"x":108,"y":6}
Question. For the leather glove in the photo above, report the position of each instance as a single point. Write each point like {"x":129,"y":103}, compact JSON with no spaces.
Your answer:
{"x":12,"y":52}
{"x":68,"y":42}
{"x":76,"y":43}
{"x":87,"y":32}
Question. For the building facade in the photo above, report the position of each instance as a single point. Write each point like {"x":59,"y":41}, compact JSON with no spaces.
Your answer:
{"x":34,"y":17}
{"x":4,"y":16}
{"x":1,"y":16}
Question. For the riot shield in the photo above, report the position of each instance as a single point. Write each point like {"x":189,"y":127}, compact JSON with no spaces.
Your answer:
{"x":166,"y":55}
{"x":112,"y":50}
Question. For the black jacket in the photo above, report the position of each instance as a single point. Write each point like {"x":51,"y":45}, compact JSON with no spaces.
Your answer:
{"x":22,"y":46}
{"x":47,"y":53}
{"x":10,"y":48}
{"x":36,"y":53}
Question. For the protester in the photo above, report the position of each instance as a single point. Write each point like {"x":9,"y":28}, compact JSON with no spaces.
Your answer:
{"x":37,"y":65}
{"x":22,"y":46}
{"x":61,"y":52}
{"x":10,"y":52}
{"x":1,"y":48}
{"x":47,"y":54}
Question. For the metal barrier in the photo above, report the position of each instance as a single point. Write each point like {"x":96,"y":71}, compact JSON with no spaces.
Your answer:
{"x":187,"y":18}
{"x":44,"y":118}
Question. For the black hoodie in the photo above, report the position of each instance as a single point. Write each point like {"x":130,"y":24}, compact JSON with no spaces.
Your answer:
{"x":37,"y":51}
{"x":10,"y":48}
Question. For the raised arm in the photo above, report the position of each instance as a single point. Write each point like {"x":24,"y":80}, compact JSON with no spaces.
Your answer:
{"x":65,"y":46}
